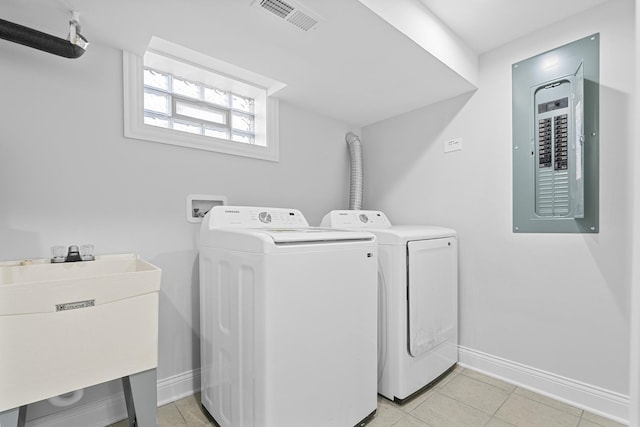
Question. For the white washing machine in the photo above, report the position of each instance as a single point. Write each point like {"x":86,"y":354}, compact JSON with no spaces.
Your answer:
{"x":418,"y":300}
{"x":287,"y":320}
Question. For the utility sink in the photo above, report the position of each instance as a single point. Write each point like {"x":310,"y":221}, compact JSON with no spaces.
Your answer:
{"x":67,"y":326}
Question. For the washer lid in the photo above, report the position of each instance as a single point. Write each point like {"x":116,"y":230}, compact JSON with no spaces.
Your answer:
{"x":270,"y":240}
{"x":311,"y":235}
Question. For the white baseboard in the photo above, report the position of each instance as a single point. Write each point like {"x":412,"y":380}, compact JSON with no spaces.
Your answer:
{"x":599,"y":401}
{"x":178,"y":386}
{"x":112,"y":408}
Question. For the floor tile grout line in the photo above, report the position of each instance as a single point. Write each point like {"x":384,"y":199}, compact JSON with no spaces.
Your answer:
{"x":184,"y":420}
{"x":513,"y":391}
{"x":501,"y":405}
{"x":485,"y":383}
{"x":553,"y":407}
{"x":459,"y":401}
{"x":542,"y":403}
{"x":509,"y":394}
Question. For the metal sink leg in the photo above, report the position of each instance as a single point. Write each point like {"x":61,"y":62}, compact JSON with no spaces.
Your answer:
{"x":141,"y":397}
{"x":15,"y":417}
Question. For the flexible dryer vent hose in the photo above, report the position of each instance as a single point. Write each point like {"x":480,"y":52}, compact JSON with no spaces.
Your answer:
{"x":355,"y":189}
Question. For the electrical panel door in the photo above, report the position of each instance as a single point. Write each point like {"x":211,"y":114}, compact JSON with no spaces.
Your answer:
{"x":556,"y":140}
{"x":559,"y":189}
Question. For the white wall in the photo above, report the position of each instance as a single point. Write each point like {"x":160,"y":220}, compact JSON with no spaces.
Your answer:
{"x":634,"y":410}
{"x":68,"y":176}
{"x":556,"y":303}
{"x":413,"y":19}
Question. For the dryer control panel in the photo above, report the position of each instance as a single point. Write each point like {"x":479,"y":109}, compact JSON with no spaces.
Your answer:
{"x":355,"y":219}
{"x":255,"y":217}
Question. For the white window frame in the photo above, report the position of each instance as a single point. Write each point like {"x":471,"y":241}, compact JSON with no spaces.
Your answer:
{"x":134,"y":127}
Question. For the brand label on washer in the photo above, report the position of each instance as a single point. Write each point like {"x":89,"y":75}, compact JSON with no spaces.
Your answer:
{"x":75,"y":305}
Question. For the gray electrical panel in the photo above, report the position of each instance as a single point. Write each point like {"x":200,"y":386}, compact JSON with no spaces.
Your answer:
{"x":555,"y":140}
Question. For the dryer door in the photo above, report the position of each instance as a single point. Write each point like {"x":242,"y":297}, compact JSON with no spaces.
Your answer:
{"x":432,"y":294}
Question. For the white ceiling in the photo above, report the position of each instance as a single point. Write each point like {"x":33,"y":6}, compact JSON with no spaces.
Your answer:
{"x":487,"y":24}
{"x":354,"y":67}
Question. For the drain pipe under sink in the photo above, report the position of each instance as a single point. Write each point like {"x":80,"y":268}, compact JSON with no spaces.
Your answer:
{"x":67,"y":399}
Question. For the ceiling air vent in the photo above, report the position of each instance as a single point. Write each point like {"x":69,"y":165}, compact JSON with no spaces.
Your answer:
{"x":291,"y":12}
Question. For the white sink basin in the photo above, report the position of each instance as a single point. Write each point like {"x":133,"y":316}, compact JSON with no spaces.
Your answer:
{"x":72,"y":325}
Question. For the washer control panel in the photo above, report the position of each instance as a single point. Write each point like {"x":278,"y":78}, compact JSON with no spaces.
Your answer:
{"x":355,"y":219}
{"x":255,"y":217}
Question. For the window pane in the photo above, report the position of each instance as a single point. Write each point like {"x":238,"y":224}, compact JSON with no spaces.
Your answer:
{"x":216,"y":96}
{"x":200,"y":112}
{"x":241,"y":103}
{"x":187,"y":127}
{"x":216,"y":133}
{"x":162,"y":122}
{"x":156,"y":102}
{"x":242,"y":122}
{"x":206,"y":107}
{"x":186,"y":88}
{"x":155,"y":79}
{"x":247,"y":139}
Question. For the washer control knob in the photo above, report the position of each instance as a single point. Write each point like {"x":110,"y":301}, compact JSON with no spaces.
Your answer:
{"x":364,"y":218}
{"x":264,"y":217}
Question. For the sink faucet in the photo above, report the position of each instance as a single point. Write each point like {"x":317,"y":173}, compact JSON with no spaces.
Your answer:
{"x":73,"y":255}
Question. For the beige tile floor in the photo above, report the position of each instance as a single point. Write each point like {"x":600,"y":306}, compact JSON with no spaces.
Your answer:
{"x":464,"y":398}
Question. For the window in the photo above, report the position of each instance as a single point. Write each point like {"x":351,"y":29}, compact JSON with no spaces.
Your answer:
{"x":177,"y":96}
{"x":174,"y":103}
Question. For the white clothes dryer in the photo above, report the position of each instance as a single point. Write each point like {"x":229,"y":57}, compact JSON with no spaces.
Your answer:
{"x":418,"y":300}
{"x":287,"y":320}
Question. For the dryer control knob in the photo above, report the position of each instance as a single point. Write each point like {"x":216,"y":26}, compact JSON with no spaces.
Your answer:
{"x":364,"y":218}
